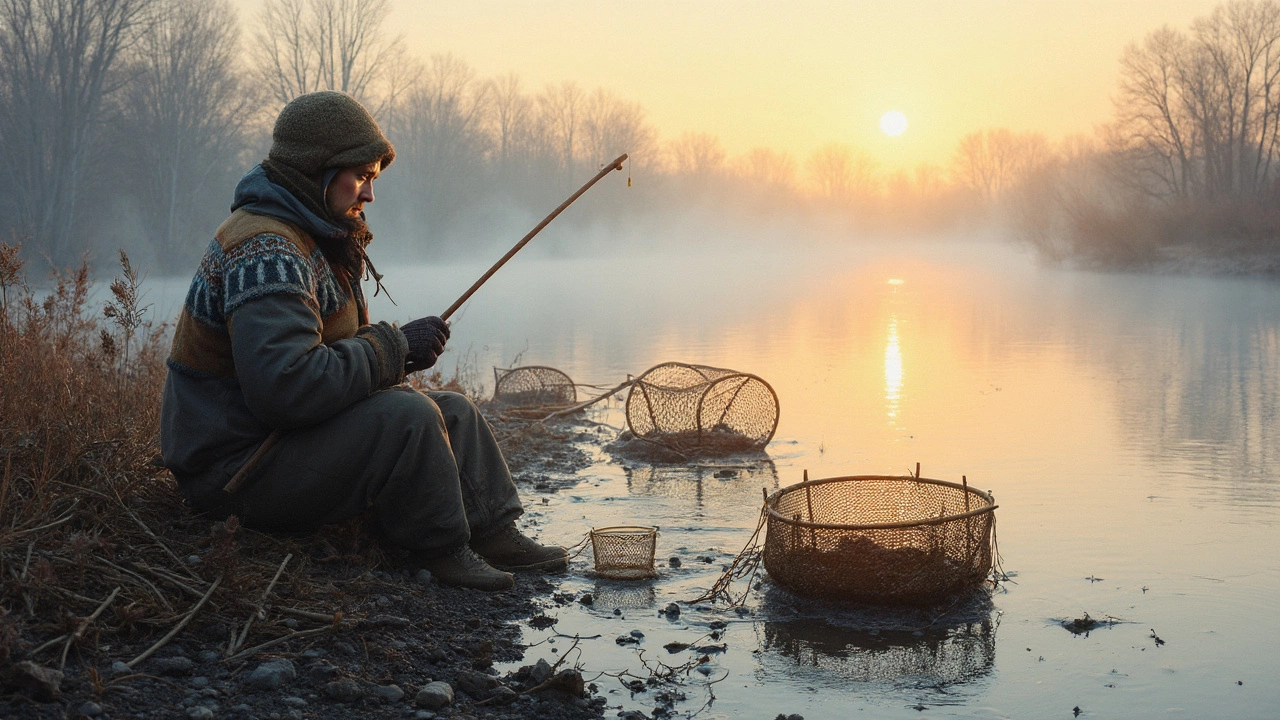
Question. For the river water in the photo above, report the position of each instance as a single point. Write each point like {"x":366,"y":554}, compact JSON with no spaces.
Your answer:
{"x":1125,"y":424}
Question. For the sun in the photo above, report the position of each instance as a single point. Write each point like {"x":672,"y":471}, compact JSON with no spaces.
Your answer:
{"x":893,"y":123}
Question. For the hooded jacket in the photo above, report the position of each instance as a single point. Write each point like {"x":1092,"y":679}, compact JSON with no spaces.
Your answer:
{"x":270,"y":336}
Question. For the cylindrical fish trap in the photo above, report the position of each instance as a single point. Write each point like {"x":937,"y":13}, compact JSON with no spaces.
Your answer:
{"x":533,"y":386}
{"x":880,"y":539}
{"x":697,"y":409}
{"x":624,"y":552}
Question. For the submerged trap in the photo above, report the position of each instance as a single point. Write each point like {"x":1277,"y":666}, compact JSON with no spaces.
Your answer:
{"x":879,"y":538}
{"x":696,"y":409}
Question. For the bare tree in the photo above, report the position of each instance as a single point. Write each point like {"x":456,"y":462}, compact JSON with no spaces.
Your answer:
{"x":612,"y":126}
{"x":991,"y":161}
{"x":441,"y":141}
{"x":695,"y":154}
{"x":840,"y":174}
{"x":771,"y":170}
{"x":561,"y":110}
{"x":310,"y":45}
{"x":57,"y":64}
{"x":183,"y":120}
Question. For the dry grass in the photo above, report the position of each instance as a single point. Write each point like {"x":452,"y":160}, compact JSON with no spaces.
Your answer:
{"x":96,"y":547}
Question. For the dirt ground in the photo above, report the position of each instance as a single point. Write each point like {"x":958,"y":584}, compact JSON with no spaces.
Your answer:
{"x":367,"y":635}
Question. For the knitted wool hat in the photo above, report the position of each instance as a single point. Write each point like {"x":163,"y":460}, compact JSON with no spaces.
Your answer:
{"x":327,"y":129}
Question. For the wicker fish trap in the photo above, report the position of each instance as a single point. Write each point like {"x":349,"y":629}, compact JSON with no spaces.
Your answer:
{"x":697,"y":409}
{"x":879,"y":538}
{"x":624,"y":552}
{"x":533,"y":386}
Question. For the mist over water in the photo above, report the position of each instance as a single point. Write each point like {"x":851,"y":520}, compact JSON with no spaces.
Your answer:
{"x":1124,"y":423}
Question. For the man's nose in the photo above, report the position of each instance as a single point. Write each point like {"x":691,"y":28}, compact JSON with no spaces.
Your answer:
{"x":366,"y":193}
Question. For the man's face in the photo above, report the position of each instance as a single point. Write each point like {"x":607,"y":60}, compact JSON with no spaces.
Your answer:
{"x":350,"y":189}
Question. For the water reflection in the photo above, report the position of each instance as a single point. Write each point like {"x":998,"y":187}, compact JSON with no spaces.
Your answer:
{"x":610,"y":595}
{"x":719,"y":485}
{"x":892,"y":370}
{"x":882,"y":645}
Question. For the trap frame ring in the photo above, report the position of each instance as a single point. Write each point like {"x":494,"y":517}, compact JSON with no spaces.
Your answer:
{"x":627,"y":552}
{"x":710,"y":378}
{"x":745,"y":378}
{"x":771,"y":503}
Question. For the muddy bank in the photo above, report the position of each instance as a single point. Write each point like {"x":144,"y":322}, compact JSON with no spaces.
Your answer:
{"x":346,"y":629}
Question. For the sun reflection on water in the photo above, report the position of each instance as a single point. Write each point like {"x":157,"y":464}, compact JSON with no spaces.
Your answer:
{"x":892,"y":370}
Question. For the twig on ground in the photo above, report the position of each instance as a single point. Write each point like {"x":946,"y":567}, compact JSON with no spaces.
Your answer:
{"x":158,"y":541}
{"x":164,"y":640}
{"x":258,"y":610}
{"x":297,"y":635}
{"x":84,"y":624}
{"x":46,"y":526}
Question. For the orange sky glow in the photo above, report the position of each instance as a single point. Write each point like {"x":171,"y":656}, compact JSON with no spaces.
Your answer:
{"x":795,"y":75}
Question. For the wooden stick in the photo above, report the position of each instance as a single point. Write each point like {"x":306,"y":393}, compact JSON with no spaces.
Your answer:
{"x":177,"y":628}
{"x":258,"y":610}
{"x":84,"y":625}
{"x":615,"y":165}
{"x":285,"y":638}
{"x":252,"y":463}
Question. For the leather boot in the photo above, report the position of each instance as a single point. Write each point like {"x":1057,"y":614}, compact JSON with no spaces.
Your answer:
{"x":510,"y":549}
{"x":463,"y":568}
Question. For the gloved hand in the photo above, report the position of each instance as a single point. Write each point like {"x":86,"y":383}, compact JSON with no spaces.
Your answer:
{"x":426,"y":338}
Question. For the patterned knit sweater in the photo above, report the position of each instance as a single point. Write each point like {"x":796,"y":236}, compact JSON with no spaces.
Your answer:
{"x":270,"y":337}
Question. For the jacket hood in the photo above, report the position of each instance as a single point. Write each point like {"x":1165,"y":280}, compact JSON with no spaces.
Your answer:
{"x":256,"y":193}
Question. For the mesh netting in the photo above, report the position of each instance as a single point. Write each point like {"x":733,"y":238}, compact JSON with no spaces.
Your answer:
{"x":624,"y":553}
{"x":534,"y":386}
{"x":702,"y":410}
{"x":879,"y":538}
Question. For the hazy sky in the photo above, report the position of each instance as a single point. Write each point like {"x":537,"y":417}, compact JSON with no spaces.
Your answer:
{"x":794,"y":75}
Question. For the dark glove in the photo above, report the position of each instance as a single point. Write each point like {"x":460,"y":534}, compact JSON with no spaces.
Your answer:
{"x":426,"y":338}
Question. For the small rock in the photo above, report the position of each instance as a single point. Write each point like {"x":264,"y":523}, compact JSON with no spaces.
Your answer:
{"x":637,"y":634}
{"x":272,"y":674}
{"x":119,"y":668}
{"x":293,"y":702}
{"x":390,"y":693}
{"x":92,"y":709}
{"x":424,"y":715}
{"x":503,"y":695}
{"x":199,"y":682}
{"x":423,"y":577}
{"x":344,"y":647}
{"x":193,"y":559}
{"x":587,"y":599}
{"x":37,"y":682}
{"x":672,"y":610}
{"x":617,"y":611}
{"x":321,"y":673}
{"x":389,"y":621}
{"x":343,"y":690}
{"x":173,"y":666}
{"x":206,"y":657}
{"x":199,"y":712}
{"x":540,"y":671}
{"x":291,"y":623}
{"x":626,"y":640}
{"x":674,"y":561}
{"x":792,"y":716}
{"x":434,"y":696}
{"x":314,"y":653}
{"x":476,"y":684}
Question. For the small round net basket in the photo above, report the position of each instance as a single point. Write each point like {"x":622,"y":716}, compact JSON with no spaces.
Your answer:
{"x":879,"y":539}
{"x":534,"y":386}
{"x":625,"y":552}
{"x":696,"y":409}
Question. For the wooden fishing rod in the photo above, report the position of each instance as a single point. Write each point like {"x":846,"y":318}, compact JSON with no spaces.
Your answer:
{"x":252,"y":463}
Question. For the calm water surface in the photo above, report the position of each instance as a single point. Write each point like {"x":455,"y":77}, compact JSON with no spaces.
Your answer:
{"x":1125,"y":424}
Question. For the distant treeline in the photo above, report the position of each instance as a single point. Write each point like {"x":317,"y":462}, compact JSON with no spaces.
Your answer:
{"x":126,"y":123}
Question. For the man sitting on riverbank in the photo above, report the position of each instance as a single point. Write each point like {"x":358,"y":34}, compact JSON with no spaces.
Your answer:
{"x":275,"y":336}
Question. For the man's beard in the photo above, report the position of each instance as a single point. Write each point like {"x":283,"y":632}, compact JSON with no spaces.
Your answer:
{"x":347,"y":252}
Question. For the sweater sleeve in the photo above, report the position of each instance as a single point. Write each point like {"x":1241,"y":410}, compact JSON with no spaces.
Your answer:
{"x":290,"y":378}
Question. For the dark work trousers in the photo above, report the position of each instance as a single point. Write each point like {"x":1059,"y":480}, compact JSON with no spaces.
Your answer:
{"x":425,"y":465}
